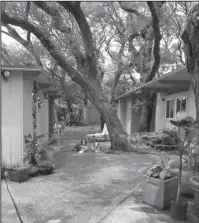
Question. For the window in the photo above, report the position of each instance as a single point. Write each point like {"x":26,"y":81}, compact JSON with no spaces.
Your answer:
{"x":181,"y":104}
{"x":170,"y":108}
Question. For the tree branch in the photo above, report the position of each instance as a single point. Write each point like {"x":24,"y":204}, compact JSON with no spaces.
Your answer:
{"x":27,"y":44}
{"x":5,"y":55}
{"x":26,"y":17}
{"x":156,"y":48}
{"x":59,"y":25}
{"x":45,"y":40}
{"x":119,"y":70}
{"x":80,"y":18}
{"x":129,"y":9}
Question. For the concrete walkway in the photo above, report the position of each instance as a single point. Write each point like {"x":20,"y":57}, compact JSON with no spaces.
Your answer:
{"x":9,"y":214}
{"x":133,"y":211}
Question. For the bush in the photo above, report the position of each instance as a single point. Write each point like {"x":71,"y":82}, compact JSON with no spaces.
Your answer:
{"x":170,"y":137}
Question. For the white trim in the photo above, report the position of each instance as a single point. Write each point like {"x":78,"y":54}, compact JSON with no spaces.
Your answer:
{"x":174,"y":97}
{"x":21,"y":68}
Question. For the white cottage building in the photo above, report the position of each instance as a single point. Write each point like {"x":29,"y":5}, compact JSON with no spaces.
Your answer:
{"x":174,"y":93}
{"x":16,"y":113}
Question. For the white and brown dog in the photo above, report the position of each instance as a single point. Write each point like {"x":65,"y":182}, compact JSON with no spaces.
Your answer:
{"x":96,"y":147}
{"x":81,"y":147}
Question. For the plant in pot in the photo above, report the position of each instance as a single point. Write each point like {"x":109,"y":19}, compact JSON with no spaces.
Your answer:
{"x":179,"y":205}
{"x":184,"y":123}
{"x":45,"y":167}
{"x":31,"y":155}
{"x":194,"y":180}
{"x":18,"y":173}
{"x":160,"y":184}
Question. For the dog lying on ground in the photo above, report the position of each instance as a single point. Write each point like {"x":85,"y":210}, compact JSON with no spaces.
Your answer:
{"x":96,"y":147}
{"x":81,"y":147}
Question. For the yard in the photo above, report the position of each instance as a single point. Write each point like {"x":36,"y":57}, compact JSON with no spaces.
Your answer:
{"x":83,"y":187}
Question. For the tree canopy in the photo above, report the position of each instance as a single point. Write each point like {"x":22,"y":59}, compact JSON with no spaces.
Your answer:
{"x":100,"y":45}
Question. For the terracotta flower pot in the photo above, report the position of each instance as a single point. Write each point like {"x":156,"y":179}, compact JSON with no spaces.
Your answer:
{"x":194,"y":181}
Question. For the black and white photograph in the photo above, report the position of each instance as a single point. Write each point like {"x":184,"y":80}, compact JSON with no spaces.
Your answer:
{"x":99,"y":111}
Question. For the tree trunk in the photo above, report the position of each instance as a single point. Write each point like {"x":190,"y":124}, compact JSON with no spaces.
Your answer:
{"x":109,"y":114}
{"x":90,"y":83}
{"x":197,"y":92}
{"x":147,"y":112}
{"x":190,"y":37}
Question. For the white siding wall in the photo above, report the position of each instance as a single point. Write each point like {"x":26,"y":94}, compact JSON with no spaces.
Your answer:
{"x":12,"y":119}
{"x":128,"y":116}
{"x":119,"y":109}
{"x":160,"y":112}
{"x":28,"y":125}
{"x":123,"y":113}
{"x":191,"y":102}
{"x":43,"y":118}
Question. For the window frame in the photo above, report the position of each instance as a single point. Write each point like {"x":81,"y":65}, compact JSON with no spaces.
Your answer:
{"x":175,"y":105}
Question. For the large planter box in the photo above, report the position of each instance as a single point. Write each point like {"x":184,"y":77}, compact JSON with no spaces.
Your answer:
{"x":18,"y":176}
{"x":158,"y":193}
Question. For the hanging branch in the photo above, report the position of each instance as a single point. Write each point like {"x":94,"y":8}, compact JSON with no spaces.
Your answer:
{"x":26,"y":17}
{"x":27,"y":44}
{"x":61,"y":26}
{"x":48,"y":44}
{"x":76,"y":11}
{"x":131,"y":10}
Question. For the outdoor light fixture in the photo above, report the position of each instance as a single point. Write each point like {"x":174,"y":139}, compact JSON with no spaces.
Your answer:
{"x":6,"y":73}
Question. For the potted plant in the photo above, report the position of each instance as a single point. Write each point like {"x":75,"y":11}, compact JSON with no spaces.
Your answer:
{"x":31,"y":150}
{"x":45,"y":167}
{"x":160,"y":185}
{"x":18,"y":173}
{"x":184,"y":123}
{"x":179,"y":205}
{"x":194,"y":181}
{"x":34,"y":171}
{"x":2,"y":170}
{"x":32,"y":157}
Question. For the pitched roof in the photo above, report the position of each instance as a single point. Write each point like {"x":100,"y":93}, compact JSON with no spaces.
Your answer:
{"x":180,"y":73}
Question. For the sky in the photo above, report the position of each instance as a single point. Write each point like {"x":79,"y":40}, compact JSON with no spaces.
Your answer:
{"x":7,"y":39}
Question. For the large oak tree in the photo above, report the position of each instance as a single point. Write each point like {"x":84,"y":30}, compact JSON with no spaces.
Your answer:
{"x":74,"y":35}
{"x":190,"y":37}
